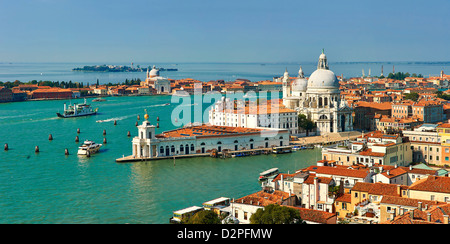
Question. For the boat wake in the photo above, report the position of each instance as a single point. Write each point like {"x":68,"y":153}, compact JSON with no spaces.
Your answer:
{"x":115,"y":119}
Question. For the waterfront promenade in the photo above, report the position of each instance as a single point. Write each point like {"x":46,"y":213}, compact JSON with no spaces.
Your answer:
{"x":327,"y":139}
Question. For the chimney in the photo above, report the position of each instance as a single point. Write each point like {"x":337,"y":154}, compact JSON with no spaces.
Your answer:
{"x":420,"y":206}
{"x":429,"y":217}
{"x":411,"y":214}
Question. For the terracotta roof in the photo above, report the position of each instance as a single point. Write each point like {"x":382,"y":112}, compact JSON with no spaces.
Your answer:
{"x":378,"y":188}
{"x":208,"y":130}
{"x":341,"y":171}
{"x":411,"y":202}
{"x":316,"y":216}
{"x":432,"y":184}
{"x":368,"y":152}
{"x":263,"y":199}
{"x":323,"y":180}
{"x":344,"y":198}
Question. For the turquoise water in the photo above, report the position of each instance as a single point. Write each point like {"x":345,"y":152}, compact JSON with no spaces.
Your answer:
{"x":50,"y":187}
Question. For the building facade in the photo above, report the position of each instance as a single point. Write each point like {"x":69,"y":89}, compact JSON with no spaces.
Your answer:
{"x":269,"y":114}
{"x":203,"y":139}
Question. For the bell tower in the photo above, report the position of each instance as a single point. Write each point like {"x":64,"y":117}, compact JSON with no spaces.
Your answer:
{"x":286,"y":84}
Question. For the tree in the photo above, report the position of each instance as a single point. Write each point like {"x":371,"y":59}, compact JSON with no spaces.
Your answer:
{"x":305,"y":123}
{"x":276,"y":214}
{"x":412,"y":96}
{"x":204,"y":217}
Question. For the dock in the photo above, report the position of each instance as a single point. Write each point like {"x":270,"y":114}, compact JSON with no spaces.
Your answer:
{"x":224,"y":154}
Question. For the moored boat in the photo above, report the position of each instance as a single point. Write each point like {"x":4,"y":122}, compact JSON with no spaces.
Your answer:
{"x":268,"y":174}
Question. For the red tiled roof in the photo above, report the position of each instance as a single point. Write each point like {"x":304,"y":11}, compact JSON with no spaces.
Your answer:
{"x":316,"y":216}
{"x":432,"y":184}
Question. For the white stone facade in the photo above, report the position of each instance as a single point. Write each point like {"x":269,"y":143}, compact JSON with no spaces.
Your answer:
{"x":318,"y":97}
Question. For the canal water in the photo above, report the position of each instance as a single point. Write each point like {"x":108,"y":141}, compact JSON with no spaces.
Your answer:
{"x":50,"y":187}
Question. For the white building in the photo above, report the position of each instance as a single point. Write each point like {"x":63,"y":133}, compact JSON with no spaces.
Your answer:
{"x":203,"y":139}
{"x":318,"y":97}
{"x":269,"y":114}
{"x":160,"y":84}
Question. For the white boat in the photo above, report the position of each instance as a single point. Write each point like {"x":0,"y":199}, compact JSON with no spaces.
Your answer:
{"x":77,"y":110}
{"x":88,"y":148}
{"x":268,"y":173}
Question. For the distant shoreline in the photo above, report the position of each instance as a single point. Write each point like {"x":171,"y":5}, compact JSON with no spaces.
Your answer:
{"x":116,"y":68}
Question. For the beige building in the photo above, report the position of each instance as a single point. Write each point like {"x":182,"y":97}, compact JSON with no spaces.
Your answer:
{"x":372,"y":148}
{"x":425,"y":143}
{"x":433,"y":188}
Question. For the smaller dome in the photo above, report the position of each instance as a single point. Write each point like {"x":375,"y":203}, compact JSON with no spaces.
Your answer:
{"x":299,"y":84}
{"x":154,"y":72}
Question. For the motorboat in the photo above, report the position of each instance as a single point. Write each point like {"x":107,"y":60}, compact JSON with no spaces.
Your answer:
{"x":88,"y":148}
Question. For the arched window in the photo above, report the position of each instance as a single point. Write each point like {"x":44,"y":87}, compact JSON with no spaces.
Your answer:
{"x":219,"y":142}
{"x":192,"y":148}
{"x":181,"y":148}
{"x":161,"y":149}
{"x":172,"y":148}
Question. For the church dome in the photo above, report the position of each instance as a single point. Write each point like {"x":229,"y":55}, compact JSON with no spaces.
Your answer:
{"x":154,"y":72}
{"x":299,"y":84}
{"x":323,"y":78}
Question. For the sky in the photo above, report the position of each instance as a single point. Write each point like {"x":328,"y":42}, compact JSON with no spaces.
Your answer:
{"x":223,"y":31}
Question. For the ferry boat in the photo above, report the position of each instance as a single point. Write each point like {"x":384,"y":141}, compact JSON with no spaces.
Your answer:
{"x":88,"y":148}
{"x":270,"y":173}
{"x":184,"y":214}
{"x":77,"y":110}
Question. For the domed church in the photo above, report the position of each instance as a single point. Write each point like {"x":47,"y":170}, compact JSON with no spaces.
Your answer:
{"x":161,"y":84}
{"x":318,"y":97}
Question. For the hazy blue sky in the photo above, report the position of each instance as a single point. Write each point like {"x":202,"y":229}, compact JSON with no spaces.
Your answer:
{"x":223,"y":31}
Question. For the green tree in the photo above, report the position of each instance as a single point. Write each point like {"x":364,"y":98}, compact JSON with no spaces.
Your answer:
{"x":305,"y":123}
{"x":204,"y":217}
{"x":276,"y":214}
{"x":412,"y":96}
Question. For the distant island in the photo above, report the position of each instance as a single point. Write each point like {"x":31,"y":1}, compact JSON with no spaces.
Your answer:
{"x":116,"y":68}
